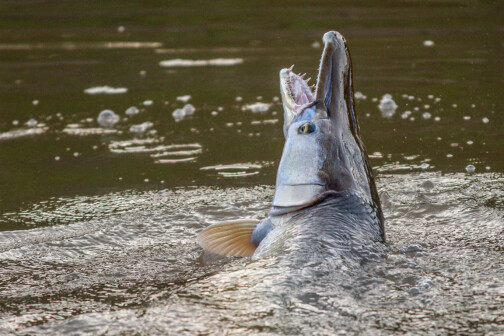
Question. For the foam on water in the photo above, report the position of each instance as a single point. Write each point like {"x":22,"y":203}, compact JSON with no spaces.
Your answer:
{"x":131,"y":111}
{"x":191,"y":63}
{"x":84,"y":131}
{"x":184,"y":99}
{"x":256,"y":107}
{"x":141,"y":128}
{"x":19,"y":133}
{"x":105,"y":90}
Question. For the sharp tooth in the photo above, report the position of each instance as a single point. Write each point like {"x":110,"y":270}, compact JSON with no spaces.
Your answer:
{"x":311,"y":87}
{"x":292,"y":67}
{"x":302,"y":76}
{"x":307,"y":80}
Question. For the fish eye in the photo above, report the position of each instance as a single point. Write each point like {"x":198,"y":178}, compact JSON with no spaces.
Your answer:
{"x":306,"y":128}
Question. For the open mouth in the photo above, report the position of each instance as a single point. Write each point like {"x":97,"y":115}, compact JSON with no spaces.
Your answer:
{"x":297,"y":95}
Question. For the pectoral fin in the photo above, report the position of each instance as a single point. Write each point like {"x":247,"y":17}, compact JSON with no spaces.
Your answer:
{"x":231,"y":238}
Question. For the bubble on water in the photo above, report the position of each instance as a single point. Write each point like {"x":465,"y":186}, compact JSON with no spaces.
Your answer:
{"x":107,"y":118}
{"x":405,"y":114}
{"x":141,"y":128}
{"x":257,"y":107}
{"x":189,"y":109}
{"x":473,"y":105}
{"x":57,"y":158}
{"x":178,"y":114}
{"x":428,"y":43}
{"x":31,"y":123}
{"x":120,"y":178}
{"x":238,"y":99}
{"x":15,"y":122}
{"x":428,"y":185}
{"x":316,"y":45}
{"x":487,"y":167}
{"x":454,"y":105}
{"x":184,"y":99}
{"x":387,"y":106}
{"x":132,"y":110}
{"x":121,"y":29}
{"x":214,"y":113}
{"x":220,"y":108}
{"x":146,"y":180}
{"x":426,"y":106}
{"x":439,"y":138}
{"x":259,"y":97}
{"x":454,"y":144}
{"x":425,"y":283}
{"x":359,"y":95}
{"x":411,"y":97}
{"x":413,"y":248}
{"x":414,"y":291}
{"x":374,"y":99}
{"x":469,"y":142}
{"x":437,"y":118}
{"x":424,"y":165}
{"x":76,"y":154}
{"x":35,"y":102}
{"x":430,"y":96}
{"x":147,"y":102}
{"x":467,"y":117}
{"x":412,"y":119}
{"x":416,"y":109}
{"x":470,"y":169}
{"x":143,"y":73}
{"x":426,"y":115}
{"x":437,"y":100}
{"x":485,"y":120}
{"x":449,"y":155}
{"x":275,"y":99}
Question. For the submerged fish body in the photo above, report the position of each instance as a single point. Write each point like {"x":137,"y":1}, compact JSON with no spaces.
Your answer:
{"x":325,"y":194}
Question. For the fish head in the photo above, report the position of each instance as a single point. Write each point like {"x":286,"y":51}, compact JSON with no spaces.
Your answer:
{"x":323,"y":151}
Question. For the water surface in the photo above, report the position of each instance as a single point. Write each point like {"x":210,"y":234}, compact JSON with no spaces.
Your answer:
{"x":98,"y":226}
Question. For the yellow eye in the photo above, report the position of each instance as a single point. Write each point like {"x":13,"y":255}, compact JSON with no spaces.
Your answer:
{"x":306,"y":128}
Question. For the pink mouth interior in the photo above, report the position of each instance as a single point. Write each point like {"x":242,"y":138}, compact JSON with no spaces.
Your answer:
{"x":298,"y":89}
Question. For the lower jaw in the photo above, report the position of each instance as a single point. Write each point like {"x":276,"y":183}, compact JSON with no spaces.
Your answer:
{"x":291,"y":197}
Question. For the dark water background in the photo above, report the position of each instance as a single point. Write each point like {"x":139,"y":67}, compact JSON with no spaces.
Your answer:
{"x":102,"y":239}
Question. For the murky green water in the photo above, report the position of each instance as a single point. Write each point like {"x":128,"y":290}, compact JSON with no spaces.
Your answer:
{"x":97,"y":226}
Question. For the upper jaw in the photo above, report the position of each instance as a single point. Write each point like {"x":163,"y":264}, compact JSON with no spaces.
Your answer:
{"x":334,"y":91}
{"x":333,"y":96}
